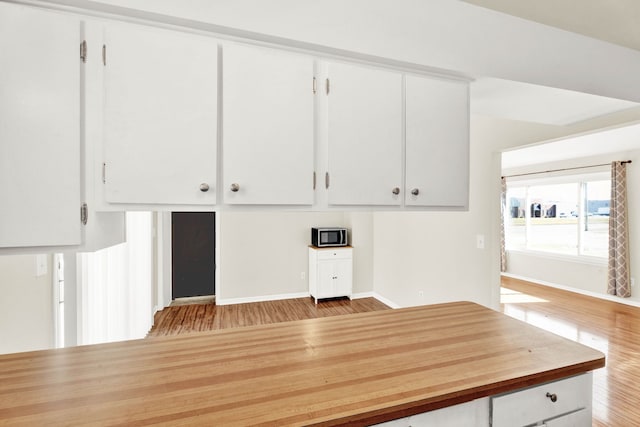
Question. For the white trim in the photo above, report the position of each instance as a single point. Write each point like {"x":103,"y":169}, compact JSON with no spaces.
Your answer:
{"x":606,"y":297}
{"x":362,"y":295}
{"x":385,"y":300}
{"x":244,"y":300}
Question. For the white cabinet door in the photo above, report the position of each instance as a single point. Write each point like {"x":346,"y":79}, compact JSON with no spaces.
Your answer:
{"x":160,"y":116}
{"x":364,"y":135}
{"x":39,"y":128}
{"x":437,"y":142}
{"x":268,"y":126}
{"x":343,"y":277}
{"x":326,"y":279}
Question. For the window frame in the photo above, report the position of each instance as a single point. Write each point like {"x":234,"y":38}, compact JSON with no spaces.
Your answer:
{"x":580,"y":180}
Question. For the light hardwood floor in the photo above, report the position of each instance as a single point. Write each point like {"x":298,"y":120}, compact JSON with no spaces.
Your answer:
{"x":204,"y":317}
{"x":610,"y":327}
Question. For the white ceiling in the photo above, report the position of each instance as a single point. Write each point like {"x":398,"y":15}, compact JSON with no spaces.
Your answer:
{"x":616,"y":140}
{"x":539,"y":104}
{"x":614,"y":21}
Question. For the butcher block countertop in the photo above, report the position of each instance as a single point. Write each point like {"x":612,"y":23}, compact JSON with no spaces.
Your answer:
{"x":358,"y":369}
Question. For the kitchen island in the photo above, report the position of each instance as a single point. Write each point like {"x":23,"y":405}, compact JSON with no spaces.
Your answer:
{"x":359,"y":369}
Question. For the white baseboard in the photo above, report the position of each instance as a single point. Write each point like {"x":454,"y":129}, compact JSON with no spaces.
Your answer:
{"x":385,"y":300}
{"x":244,"y":300}
{"x":576,"y":290}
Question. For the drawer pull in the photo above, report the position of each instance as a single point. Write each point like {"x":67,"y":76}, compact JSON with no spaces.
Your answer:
{"x":553,"y":397}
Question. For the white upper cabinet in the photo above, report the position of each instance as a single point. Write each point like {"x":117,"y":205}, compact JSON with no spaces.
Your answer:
{"x":364,"y":136}
{"x":39,"y":128}
{"x":437,"y":142}
{"x":160,"y":116}
{"x":268,"y":130}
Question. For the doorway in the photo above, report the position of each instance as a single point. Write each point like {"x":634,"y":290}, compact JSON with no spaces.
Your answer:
{"x":193,"y":245}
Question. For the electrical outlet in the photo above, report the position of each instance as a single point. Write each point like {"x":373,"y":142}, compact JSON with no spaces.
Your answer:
{"x":633,"y":282}
{"x":303,"y":275}
{"x":480,"y":241}
{"x":421,"y":294}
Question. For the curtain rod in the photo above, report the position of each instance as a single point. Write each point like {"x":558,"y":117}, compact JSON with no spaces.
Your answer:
{"x":564,"y":169}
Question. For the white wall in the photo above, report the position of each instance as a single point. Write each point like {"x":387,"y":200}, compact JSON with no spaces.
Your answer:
{"x":576,"y":274}
{"x":262,"y":254}
{"x":26,"y":305}
{"x":435,"y":252}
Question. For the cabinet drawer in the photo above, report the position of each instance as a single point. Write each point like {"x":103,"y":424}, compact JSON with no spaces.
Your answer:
{"x":334,"y":253}
{"x":532,"y":405}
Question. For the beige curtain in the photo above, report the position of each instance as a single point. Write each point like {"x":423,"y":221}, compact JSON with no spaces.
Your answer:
{"x":503,"y":212}
{"x":619,"y":283}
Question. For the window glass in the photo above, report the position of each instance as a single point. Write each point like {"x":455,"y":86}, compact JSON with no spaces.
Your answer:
{"x":595,"y":227}
{"x":554,"y":211}
{"x":570,"y":218}
{"x":514,"y":219}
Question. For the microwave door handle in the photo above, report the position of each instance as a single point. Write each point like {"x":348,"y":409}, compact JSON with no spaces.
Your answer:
{"x":344,"y":236}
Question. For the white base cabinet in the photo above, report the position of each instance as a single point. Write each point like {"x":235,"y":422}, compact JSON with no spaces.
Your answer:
{"x":330,"y":272}
{"x":562,"y":403}
{"x":469,"y":414}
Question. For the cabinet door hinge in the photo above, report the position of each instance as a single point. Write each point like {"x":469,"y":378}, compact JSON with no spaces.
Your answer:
{"x":326,"y":180}
{"x":314,"y":86}
{"x":83,"y":51}
{"x":104,"y":55}
{"x":327,"y":86}
{"x":84,"y":214}
{"x":104,"y":173}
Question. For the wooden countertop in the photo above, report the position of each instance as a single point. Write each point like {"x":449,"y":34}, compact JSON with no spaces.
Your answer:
{"x":360,"y":369}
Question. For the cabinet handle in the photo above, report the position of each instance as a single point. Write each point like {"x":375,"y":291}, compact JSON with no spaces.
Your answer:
{"x":235,"y":187}
{"x":396,"y":190}
{"x":553,"y":397}
{"x":415,"y":191}
{"x":204,"y":187}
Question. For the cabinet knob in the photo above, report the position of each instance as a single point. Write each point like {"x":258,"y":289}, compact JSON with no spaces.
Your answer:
{"x":396,"y":190}
{"x":204,"y":187}
{"x":415,"y":191}
{"x":235,"y":187}
{"x":553,"y":397}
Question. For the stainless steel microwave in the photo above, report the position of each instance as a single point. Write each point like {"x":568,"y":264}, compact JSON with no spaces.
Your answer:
{"x":328,"y":236}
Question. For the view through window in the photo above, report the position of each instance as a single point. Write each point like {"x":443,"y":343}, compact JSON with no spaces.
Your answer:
{"x":570,"y":218}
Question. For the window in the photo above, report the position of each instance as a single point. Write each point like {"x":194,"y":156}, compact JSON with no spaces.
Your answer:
{"x":563,"y":215}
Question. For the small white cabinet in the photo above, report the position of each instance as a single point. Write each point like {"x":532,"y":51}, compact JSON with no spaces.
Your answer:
{"x":330,"y":272}
{"x":160,"y":116}
{"x":364,"y":136}
{"x":268,"y":132}
{"x":40,"y":158}
{"x":437,"y":142}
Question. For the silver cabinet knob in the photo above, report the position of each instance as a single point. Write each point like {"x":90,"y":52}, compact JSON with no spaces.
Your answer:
{"x":396,"y":190}
{"x":204,"y":187}
{"x":415,"y":191}
{"x":235,"y":187}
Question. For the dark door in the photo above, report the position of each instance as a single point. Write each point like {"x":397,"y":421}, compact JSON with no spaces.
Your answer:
{"x":193,"y":243}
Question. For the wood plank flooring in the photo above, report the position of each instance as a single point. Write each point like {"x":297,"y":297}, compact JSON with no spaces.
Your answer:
{"x":205,"y":317}
{"x":610,"y":327}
